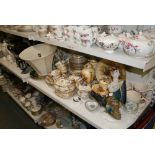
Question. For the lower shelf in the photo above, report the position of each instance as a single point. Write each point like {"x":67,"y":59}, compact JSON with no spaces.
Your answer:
{"x":98,"y":118}
{"x":34,"y":118}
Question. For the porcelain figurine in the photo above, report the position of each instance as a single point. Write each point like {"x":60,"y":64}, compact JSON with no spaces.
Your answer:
{"x":88,"y":73}
{"x":107,"y":42}
{"x":114,"y":85}
{"x":118,"y":87}
{"x":139,"y":46}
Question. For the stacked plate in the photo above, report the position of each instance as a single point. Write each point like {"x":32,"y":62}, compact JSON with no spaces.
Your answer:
{"x":76,"y":63}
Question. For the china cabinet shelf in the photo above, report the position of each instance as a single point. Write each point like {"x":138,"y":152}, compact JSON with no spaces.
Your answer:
{"x":98,"y":118}
{"x":118,"y":56}
{"x":12,"y":67}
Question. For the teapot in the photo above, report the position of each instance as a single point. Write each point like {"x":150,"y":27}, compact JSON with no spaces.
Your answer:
{"x":107,"y":42}
{"x":139,"y":46}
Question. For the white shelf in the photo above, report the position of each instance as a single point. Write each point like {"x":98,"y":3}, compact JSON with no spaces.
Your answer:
{"x":98,"y":119}
{"x":12,"y":67}
{"x":35,"y":118}
{"x":120,"y":57}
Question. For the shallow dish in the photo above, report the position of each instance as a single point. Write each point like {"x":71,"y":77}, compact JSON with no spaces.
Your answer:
{"x":91,"y":105}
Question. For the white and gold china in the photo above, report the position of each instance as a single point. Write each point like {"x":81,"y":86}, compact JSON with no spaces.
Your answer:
{"x":64,"y":87}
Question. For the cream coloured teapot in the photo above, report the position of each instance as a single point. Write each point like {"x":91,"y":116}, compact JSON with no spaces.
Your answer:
{"x":139,"y":46}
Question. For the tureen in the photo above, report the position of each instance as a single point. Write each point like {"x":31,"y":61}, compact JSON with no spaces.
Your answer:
{"x":107,"y":42}
{"x":139,"y":46}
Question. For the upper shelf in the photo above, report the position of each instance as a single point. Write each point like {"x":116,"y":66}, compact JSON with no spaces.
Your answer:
{"x":120,"y":57}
